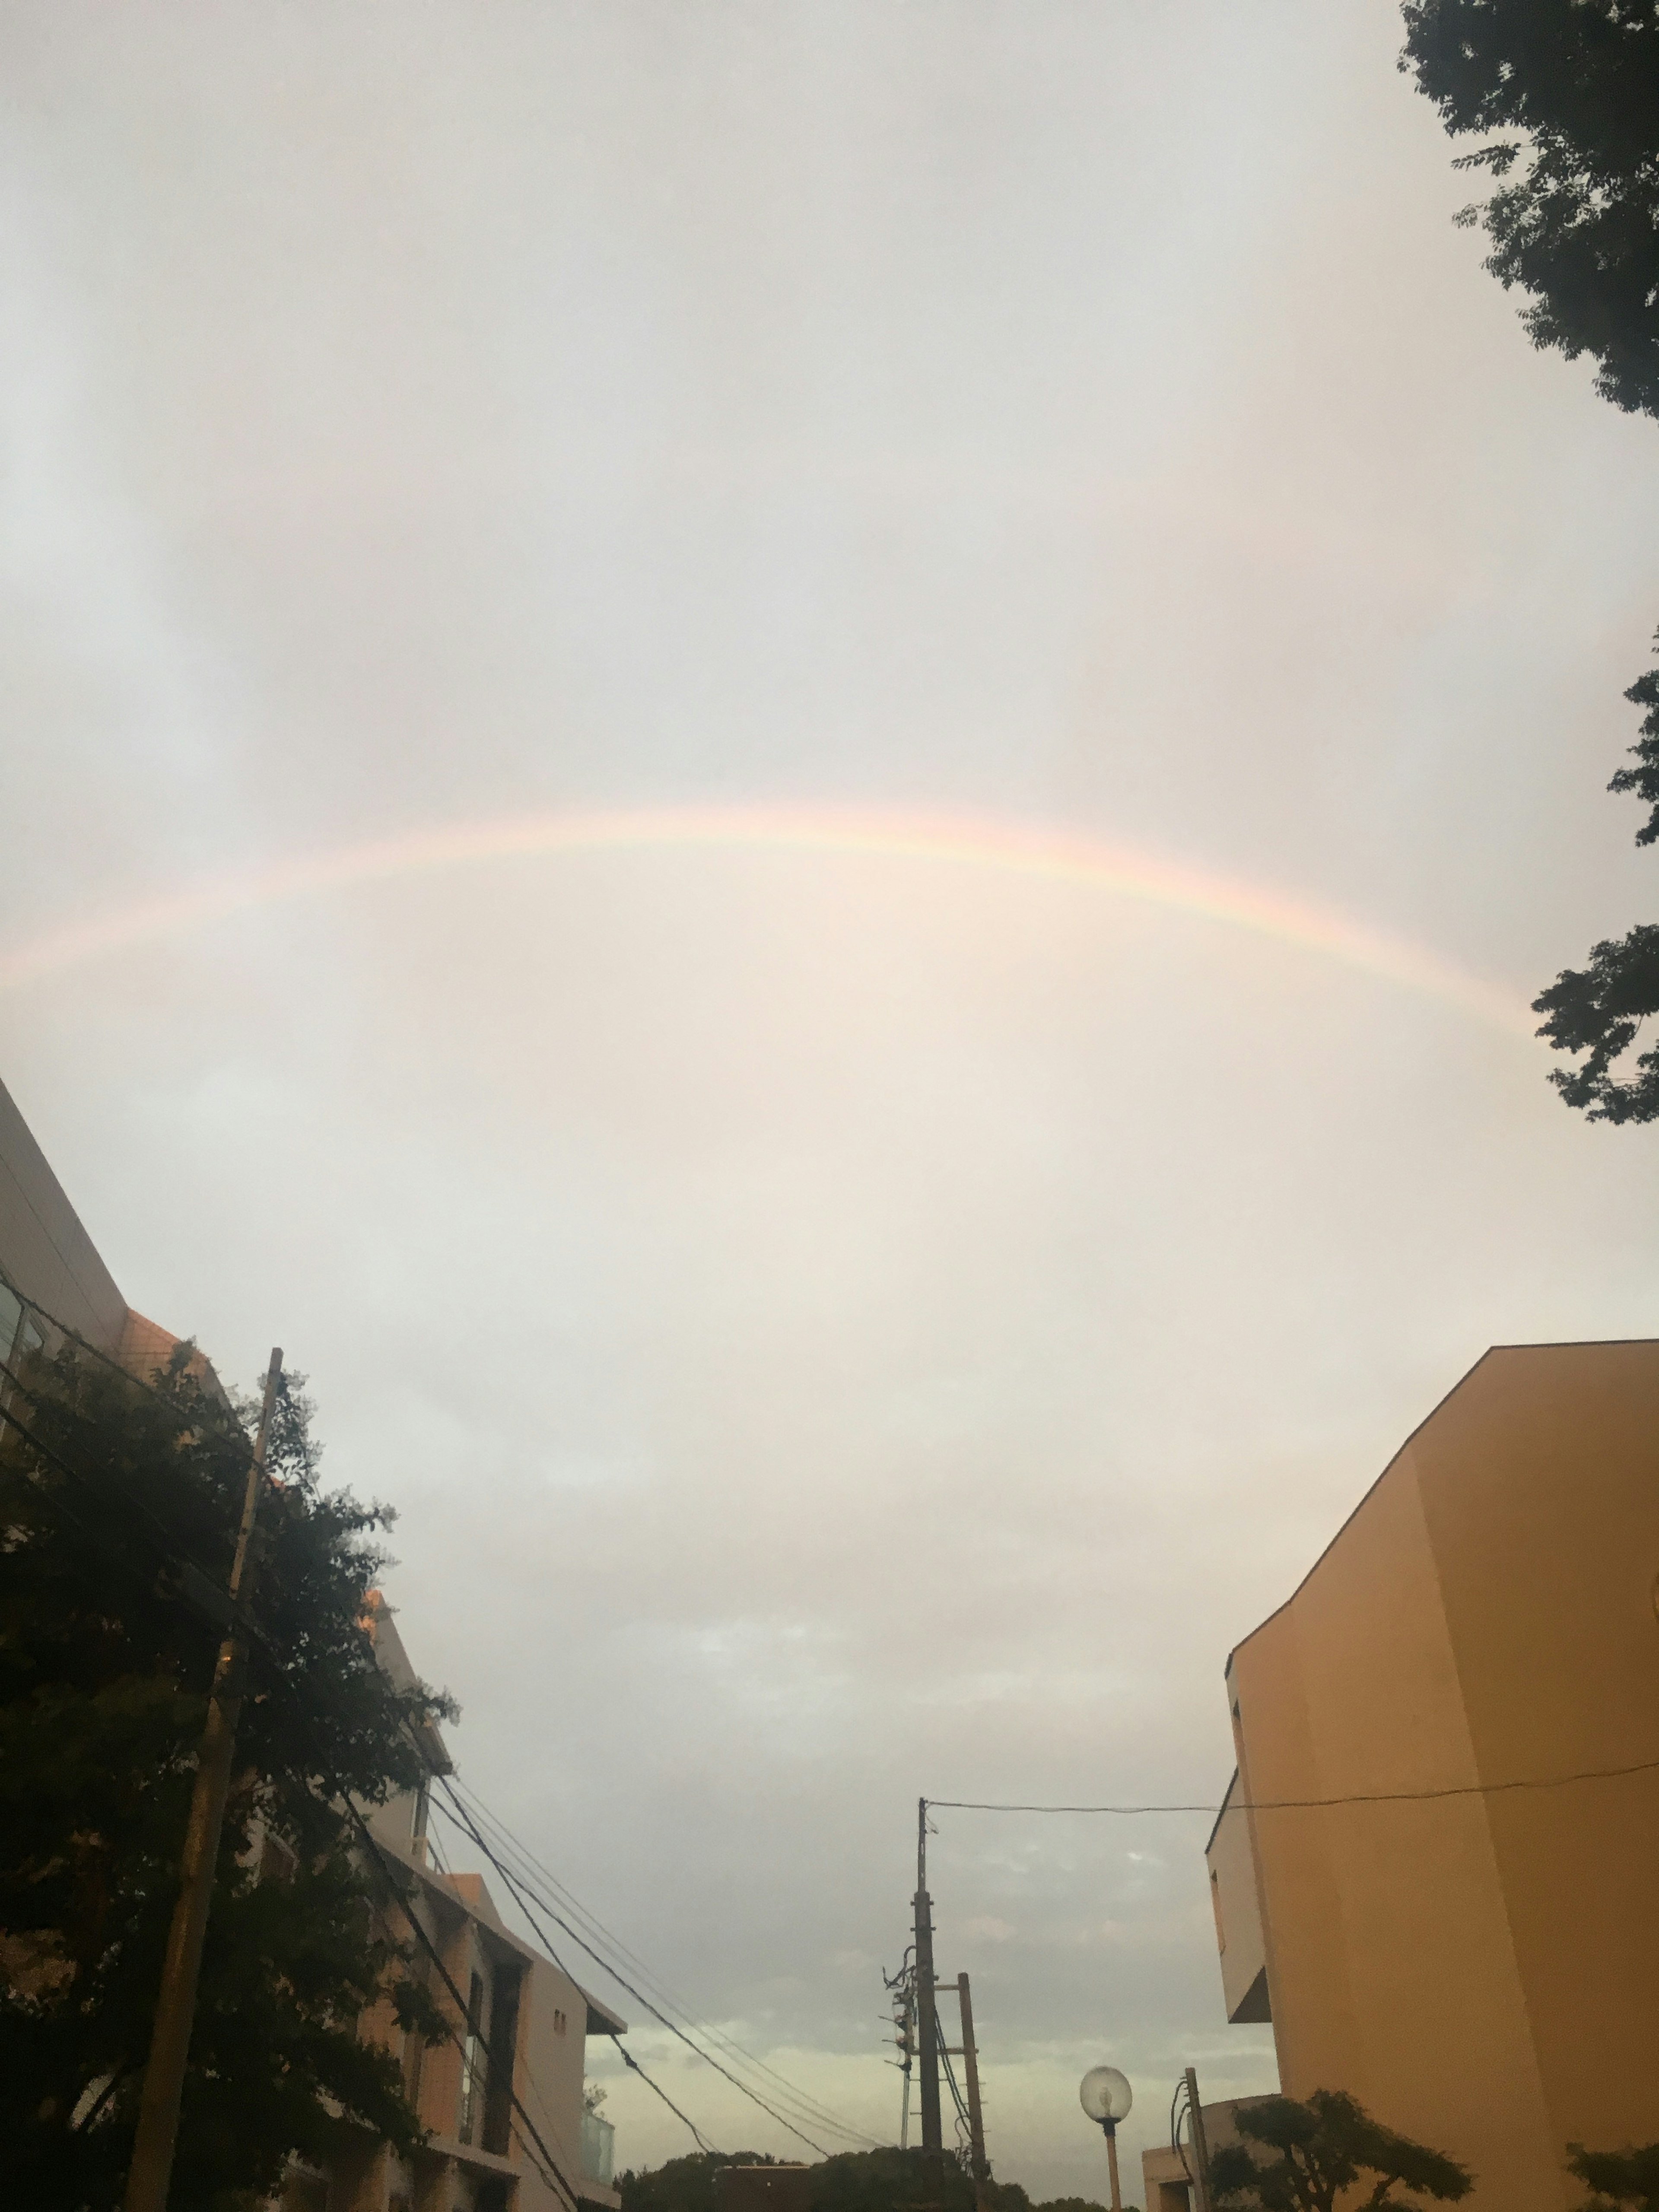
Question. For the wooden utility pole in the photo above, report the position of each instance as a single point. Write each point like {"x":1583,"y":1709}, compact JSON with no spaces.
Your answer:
{"x":979,"y":2163}
{"x":151,"y":2169}
{"x":1200,"y":2146}
{"x":926,"y":2012}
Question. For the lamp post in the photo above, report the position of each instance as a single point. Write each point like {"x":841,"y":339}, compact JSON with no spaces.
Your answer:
{"x":1105,"y":2096}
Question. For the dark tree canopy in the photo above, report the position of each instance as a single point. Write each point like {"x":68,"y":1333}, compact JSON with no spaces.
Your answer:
{"x":103,"y":1675}
{"x":1567,"y":92}
{"x":857,"y":2181}
{"x":1598,"y":1010}
{"x":1617,"y":2177}
{"x":1300,"y":2158}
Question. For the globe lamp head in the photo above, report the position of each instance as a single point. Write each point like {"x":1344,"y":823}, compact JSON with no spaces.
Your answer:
{"x":1105,"y":2095}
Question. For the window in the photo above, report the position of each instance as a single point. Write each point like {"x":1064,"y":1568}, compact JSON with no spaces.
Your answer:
{"x":471,"y":2061}
{"x":1215,"y":1906}
{"x":560,"y":2023}
{"x":18,"y":1335}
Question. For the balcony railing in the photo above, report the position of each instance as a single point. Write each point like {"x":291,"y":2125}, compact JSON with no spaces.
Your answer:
{"x":598,"y":2149}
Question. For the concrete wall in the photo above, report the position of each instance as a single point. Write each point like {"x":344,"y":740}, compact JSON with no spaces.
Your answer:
{"x":1239,"y":1932}
{"x":44,"y":1249}
{"x":1482,"y":1970}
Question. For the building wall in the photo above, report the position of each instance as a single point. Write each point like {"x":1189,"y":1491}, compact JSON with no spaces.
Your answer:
{"x":46,"y":1253}
{"x":1481,"y":1970}
{"x":44,"y":1250}
{"x":1240,"y":1935}
{"x":1166,"y":2173}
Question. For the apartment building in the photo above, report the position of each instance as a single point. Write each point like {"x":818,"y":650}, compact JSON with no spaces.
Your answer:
{"x":47,"y":1254}
{"x":1167,"y":2180}
{"x":520,"y":2049}
{"x":1479,"y":1967}
{"x":519,"y":2008}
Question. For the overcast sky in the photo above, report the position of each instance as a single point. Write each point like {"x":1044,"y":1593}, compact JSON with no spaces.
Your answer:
{"x":834,"y":1327}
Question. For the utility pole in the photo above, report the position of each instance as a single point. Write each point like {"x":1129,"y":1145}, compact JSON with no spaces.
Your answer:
{"x":151,"y":2169}
{"x":1200,"y":2146}
{"x":926,"y":2014}
{"x":979,"y":2163}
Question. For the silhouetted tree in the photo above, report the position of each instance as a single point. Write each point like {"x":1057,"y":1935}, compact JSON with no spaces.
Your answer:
{"x":1617,"y":2177}
{"x":681,"y":2184}
{"x":1566,"y":94}
{"x":855,"y":2181}
{"x":1314,"y":2151}
{"x":103,"y":1680}
{"x":1599,"y":1010}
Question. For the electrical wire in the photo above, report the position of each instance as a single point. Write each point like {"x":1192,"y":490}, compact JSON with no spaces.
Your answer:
{"x":797,"y":2104}
{"x":551,"y":2174}
{"x":941,"y":1804}
{"x":526,"y":1908}
{"x":629,"y":2060}
{"x":372,"y":1847}
{"x":343,"y":1797}
{"x":1320,"y":1804}
{"x":656,"y":2011}
{"x":804,"y":2105}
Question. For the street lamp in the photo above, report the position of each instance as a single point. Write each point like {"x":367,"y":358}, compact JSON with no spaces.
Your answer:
{"x":1105,"y":2096}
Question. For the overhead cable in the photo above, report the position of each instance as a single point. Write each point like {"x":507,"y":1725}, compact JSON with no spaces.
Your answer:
{"x":525,"y":1906}
{"x":1318,"y":1804}
{"x":639,"y":1997}
{"x":804,"y":2105}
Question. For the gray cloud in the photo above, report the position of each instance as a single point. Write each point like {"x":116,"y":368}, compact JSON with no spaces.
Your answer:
{"x":834,"y":1327}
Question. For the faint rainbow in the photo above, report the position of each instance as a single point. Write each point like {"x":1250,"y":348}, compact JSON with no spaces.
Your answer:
{"x":955,"y":840}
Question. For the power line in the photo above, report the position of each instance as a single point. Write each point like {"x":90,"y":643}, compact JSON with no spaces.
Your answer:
{"x":806,"y":2107}
{"x":656,"y":2011}
{"x":1316,"y":1804}
{"x":551,"y":2173}
{"x":803,"y":2105}
{"x":810,"y":2106}
{"x":525,"y":1906}
{"x":629,"y":2060}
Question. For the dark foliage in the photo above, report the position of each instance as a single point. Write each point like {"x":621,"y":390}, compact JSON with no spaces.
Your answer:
{"x":681,"y":2184}
{"x":1571,"y":90}
{"x":103,"y":1676}
{"x":1617,"y":2177}
{"x":1598,"y":1010}
{"x":1009,"y":2196}
{"x":1566,"y":94}
{"x":1314,"y":2151}
{"x":859,"y":2181}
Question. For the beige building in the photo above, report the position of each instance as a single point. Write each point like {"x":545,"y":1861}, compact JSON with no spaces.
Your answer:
{"x":1166,"y":2173}
{"x":520,"y":2050}
{"x":1481,"y":1967}
{"x":47,"y":1254}
{"x":479,"y":2156}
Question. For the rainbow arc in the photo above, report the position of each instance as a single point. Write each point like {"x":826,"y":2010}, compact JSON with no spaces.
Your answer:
{"x":959,"y":841}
